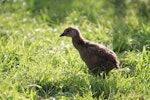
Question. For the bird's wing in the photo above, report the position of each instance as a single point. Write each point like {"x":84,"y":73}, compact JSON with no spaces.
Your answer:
{"x":102,"y":52}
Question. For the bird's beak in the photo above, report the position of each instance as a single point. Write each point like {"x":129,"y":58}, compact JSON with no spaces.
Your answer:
{"x":63,"y":34}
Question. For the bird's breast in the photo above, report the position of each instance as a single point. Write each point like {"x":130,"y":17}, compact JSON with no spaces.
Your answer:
{"x":89,"y":59}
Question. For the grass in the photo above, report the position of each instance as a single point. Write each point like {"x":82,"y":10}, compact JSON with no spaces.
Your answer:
{"x":36,"y":64}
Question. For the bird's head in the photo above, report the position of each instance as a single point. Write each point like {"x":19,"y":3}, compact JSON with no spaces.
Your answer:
{"x":70,"y":32}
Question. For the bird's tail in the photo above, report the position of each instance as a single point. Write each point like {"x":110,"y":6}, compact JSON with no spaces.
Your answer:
{"x":117,"y":67}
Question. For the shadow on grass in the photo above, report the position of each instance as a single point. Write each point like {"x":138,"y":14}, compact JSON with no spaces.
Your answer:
{"x":68,"y":86}
{"x":102,"y":88}
{"x":75,"y":85}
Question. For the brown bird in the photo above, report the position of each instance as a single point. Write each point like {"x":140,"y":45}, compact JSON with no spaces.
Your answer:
{"x":97,"y":57}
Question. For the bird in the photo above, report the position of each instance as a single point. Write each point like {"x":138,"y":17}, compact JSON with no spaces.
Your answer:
{"x":97,"y":57}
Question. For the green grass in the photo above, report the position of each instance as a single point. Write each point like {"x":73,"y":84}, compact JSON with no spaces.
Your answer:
{"x":36,"y":64}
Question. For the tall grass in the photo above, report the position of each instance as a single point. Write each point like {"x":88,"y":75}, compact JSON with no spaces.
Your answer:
{"x":36,"y":64}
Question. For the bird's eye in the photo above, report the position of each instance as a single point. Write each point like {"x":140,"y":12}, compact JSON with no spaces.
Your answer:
{"x":68,"y":30}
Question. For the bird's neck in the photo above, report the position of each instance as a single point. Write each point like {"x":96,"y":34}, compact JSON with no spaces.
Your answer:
{"x":78,"y":42}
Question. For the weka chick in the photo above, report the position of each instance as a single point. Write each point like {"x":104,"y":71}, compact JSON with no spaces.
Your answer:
{"x":97,"y":57}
